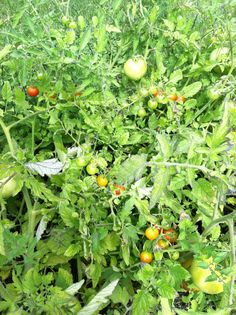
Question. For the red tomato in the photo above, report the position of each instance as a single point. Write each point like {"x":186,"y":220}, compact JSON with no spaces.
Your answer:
{"x":117,"y":192}
{"x":32,"y":91}
{"x":170,"y":235}
{"x":146,"y":257}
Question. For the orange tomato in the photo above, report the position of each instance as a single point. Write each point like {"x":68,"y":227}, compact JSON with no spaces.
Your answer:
{"x":146,"y":257}
{"x":181,"y":99}
{"x":162,"y":244}
{"x":32,"y":91}
{"x":170,"y":235}
{"x":173,"y":97}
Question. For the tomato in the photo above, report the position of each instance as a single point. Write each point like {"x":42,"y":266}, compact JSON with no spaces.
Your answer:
{"x":162,"y":244}
{"x":181,"y":99}
{"x":151,"y":233}
{"x":152,"y":103}
{"x":173,"y":97}
{"x":146,"y":257}
{"x":81,"y":161}
{"x":65,"y":20}
{"x":32,"y":91}
{"x":7,"y":187}
{"x":153,"y":90}
{"x":91,"y":169}
{"x":175,"y":255}
{"x":170,"y":235}
{"x":213,"y":94}
{"x":143,"y":92}
{"x":119,"y":187}
{"x":135,"y":68}
{"x":81,"y":22}
{"x":142,"y":112}
{"x":78,"y":93}
{"x":72,"y":25}
{"x":102,"y":181}
{"x":40,"y":76}
{"x":117,"y":192}
{"x":162,"y":99}
{"x":155,"y":94}
{"x":199,"y":276}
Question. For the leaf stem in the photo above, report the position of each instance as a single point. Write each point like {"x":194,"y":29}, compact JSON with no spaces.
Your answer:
{"x":25,"y":118}
{"x":6,"y":131}
{"x":222,"y":219}
{"x":31,"y":212}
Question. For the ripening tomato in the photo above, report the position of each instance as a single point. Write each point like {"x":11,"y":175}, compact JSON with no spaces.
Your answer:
{"x":170,"y":235}
{"x":143,"y":92}
{"x":146,"y":257}
{"x":72,"y":25}
{"x":8,"y":187}
{"x":162,"y":243}
{"x":119,"y":187}
{"x":153,"y":90}
{"x":151,"y":233}
{"x":81,"y":161}
{"x":173,"y":97}
{"x":152,"y":103}
{"x":117,"y":192}
{"x":32,"y":91}
{"x":102,"y":181}
{"x":135,"y":68}
{"x":78,"y":93}
{"x":200,"y":275}
{"x":91,"y":169}
{"x":181,"y":99}
{"x":142,"y":112}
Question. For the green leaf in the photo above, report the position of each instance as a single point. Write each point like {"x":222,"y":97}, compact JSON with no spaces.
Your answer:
{"x":143,"y":303}
{"x":145,"y":274}
{"x":95,"y":271}
{"x":6,"y":91}
{"x":21,"y":103}
{"x":5,"y":51}
{"x":99,"y":299}
{"x":165,"y":145}
{"x":120,"y":295}
{"x":176,"y":76}
{"x":125,"y":253}
{"x":160,"y":182}
{"x":165,"y":289}
{"x":2,"y":248}
{"x":192,"y":89}
{"x":85,"y":39}
{"x":63,"y":278}
{"x":72,"y":250}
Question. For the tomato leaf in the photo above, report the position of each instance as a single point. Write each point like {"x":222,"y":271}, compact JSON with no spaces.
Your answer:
{"x":143,"y":303}
{"x":161,"y":180}
{"x":192,"y":89}
{"x":176,"y":76}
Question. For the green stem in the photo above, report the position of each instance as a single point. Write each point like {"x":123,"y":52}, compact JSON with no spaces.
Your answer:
{"x":25,"y":118}
{"x":233,"y":259}
{"x":31,"y":212}
{"x":6,"y":131}
{"x":185,"y":165}
{"x":222,"y":219}
{"x":165,"y":306}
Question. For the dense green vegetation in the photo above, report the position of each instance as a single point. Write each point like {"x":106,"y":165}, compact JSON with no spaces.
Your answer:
{"x":117,"y":117}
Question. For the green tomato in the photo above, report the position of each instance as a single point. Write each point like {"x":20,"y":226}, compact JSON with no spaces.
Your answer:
{"x":142,"y":112}
{"x":81,"y":22}
{"x":213,"y":94}
{"x":40,"y":76}
{"x":8,"y":187}
{"x":72,"y":25}
{"x":81,"y":161}
{"x":175,"y":255}
{"x":135,"y":68}
{"x":65,"y":20}
{"x":199,"y":276}
{"x":91,"y":169}
{"x":152,"y":103}
{"x":143,"y":92}
{"x":162,"y":99}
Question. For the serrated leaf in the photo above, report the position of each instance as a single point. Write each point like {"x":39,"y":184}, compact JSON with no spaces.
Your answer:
{"x":74,"y":288}
{"x":165,"y":289}
{"x":99,"y":299}
{"x":165,"y":145}
{"x":160,"y":182}
{"x":5,"y":51}
{"x":176,"y":76}
{"x":132,"y":169}
{"x":85,"y":39}
{"x":46,"y":167}
{"x":143,"y":303}
{"x":7,"y":92}
{"x":120,"y":295}
{"x":95,"y":271}
{"x":192,"y":89}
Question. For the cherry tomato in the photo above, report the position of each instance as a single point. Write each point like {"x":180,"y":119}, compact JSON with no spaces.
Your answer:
{"x":65,"y":20}
{"x":162,"y":99}
{"x":213,"y":94}
{"x":135,"y":68}
{"x":181,"y":99}
{"x":199,"y":276}
{"x":152,"y":103}
{"x":119,"y":187}
{"x":78,"y":93}
{"x":117,"y":192}
{"x":162,"y":243}
{"x":173,"y":97}
{"x":170,"y":235}
{"x":81,"y":161}
{"x":153,"y":90}
{"x":8,"y":187}
{"x":151,"y":233}
{"x":142,"y":112}
{"x":40,"y":76}
{"x":91,"y":169}
{"x":146,"y":257}
{"x":175,"y":255}
{"x":143,"y":92}
{"x":32,"y":91}
{"x":102,"y":181}
{"x":72,"y":25}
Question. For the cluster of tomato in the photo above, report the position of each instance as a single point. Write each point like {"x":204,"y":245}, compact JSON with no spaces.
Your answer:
{"x":167,"y":238}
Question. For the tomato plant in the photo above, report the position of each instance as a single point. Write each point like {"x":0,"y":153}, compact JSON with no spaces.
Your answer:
{"x":135,"y":68}
{"x":32,"y":91}
{"x":146,"y":257}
